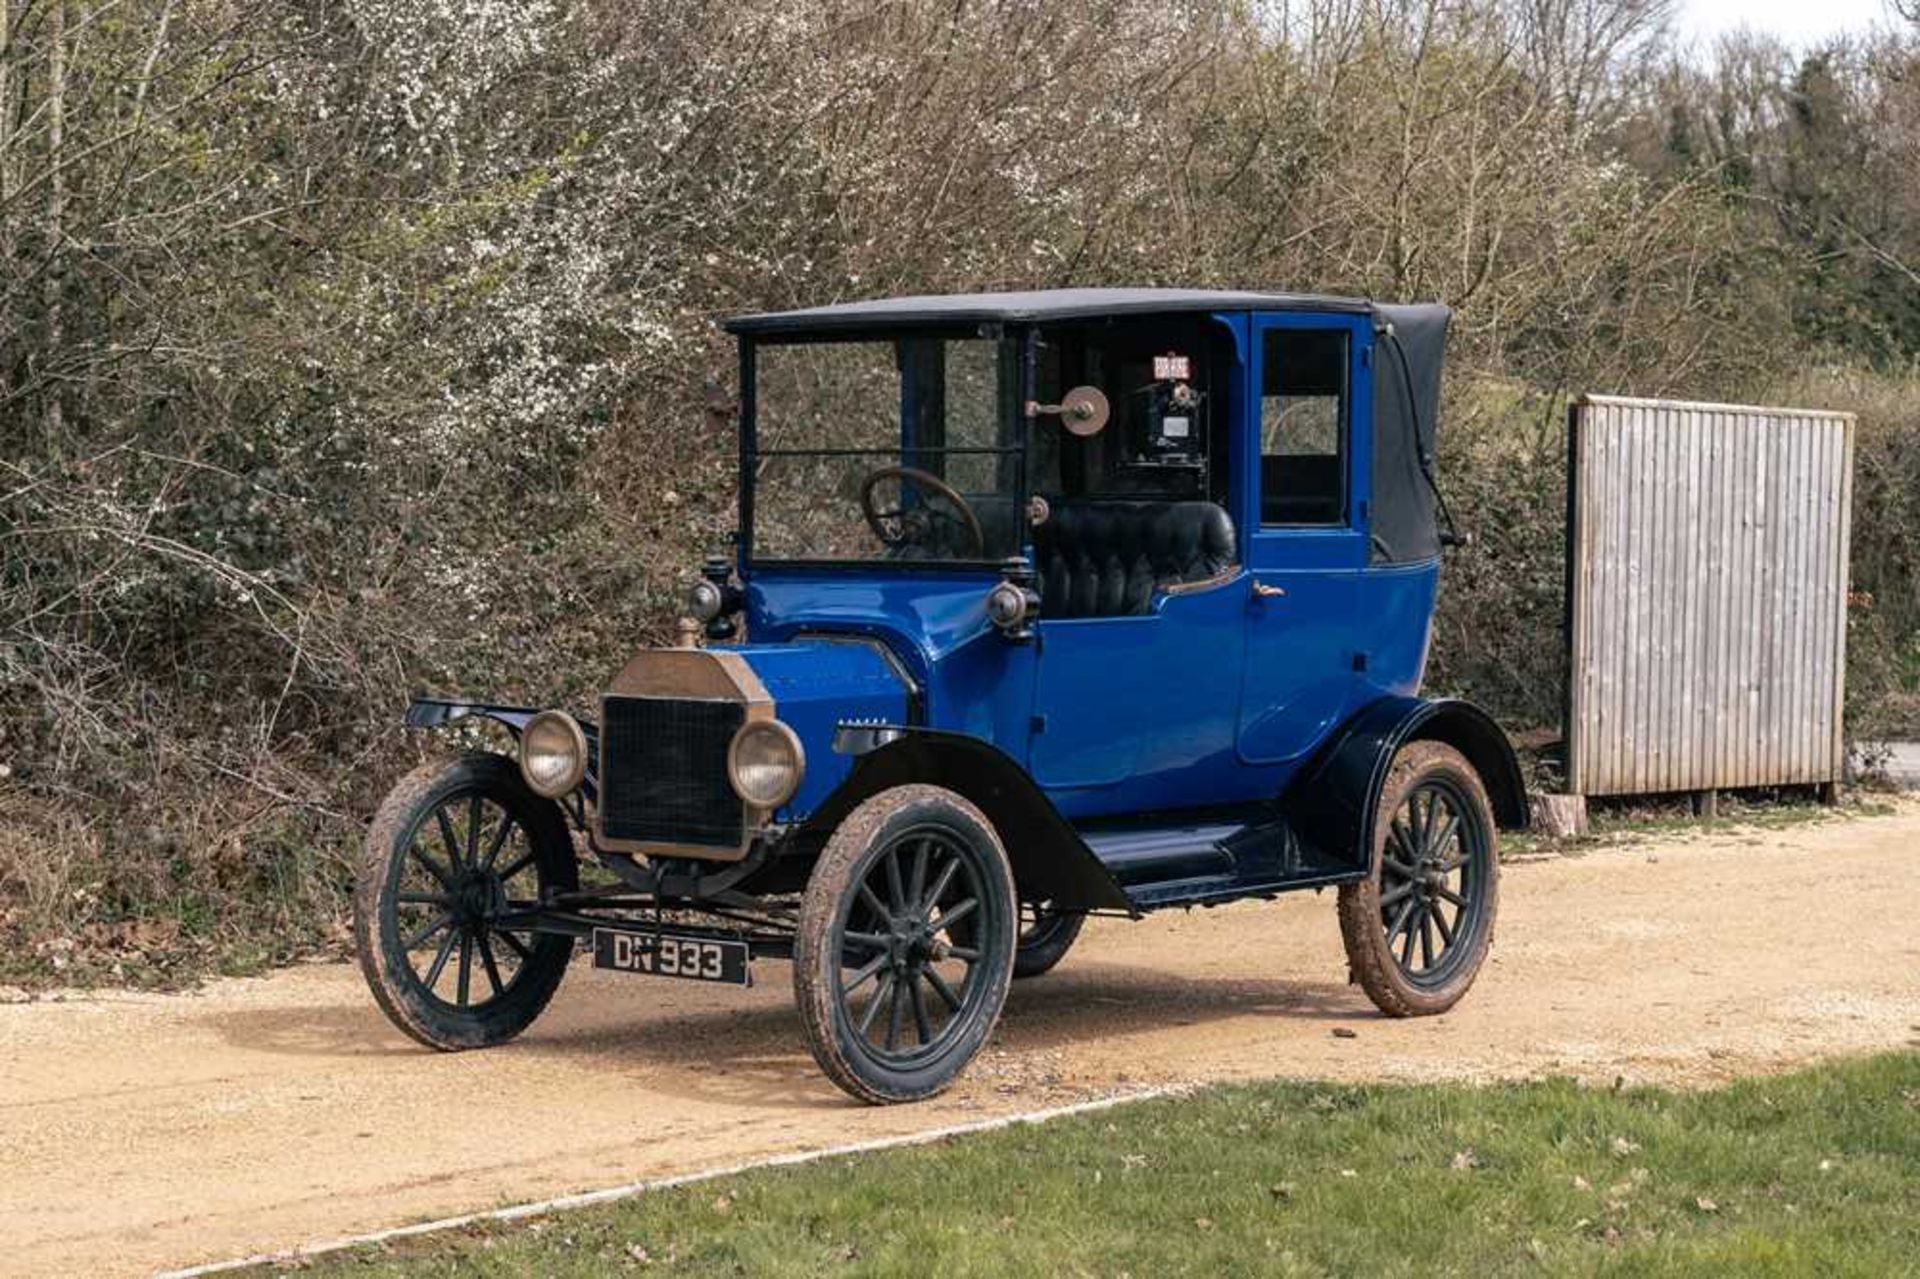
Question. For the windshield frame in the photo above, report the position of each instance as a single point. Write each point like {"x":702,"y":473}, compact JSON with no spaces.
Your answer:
{"x":1018,"y":431}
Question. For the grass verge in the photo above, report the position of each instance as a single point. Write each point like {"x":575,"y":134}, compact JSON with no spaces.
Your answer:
{"x":1812,"y":1173}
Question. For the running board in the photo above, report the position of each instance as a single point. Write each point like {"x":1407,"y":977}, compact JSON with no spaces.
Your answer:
{"x":1213,"y":860}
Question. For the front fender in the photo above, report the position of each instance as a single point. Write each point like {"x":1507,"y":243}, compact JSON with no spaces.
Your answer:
{"x":438,"y":712}
{"x":1050,"y":860}
{"x":1334,"y":803}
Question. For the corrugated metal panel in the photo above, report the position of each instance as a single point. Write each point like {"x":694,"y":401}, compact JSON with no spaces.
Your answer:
{"x":1707,"y":585}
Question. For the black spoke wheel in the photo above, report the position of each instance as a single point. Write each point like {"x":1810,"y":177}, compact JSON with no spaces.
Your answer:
{"x":1417,"y":930}
{"x":905,"y":944}
{"x":456,"y":848}
{"x":1046,"y":935}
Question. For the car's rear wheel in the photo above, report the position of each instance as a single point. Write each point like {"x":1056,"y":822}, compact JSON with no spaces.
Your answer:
{"x":455,"y":847}
{"x":1046,"y":935}
{"x":905,"y":944}
{"x":1418,"y":927}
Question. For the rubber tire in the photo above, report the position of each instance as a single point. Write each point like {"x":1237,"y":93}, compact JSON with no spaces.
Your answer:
{"x":1368,"y":956}
{"x":1030,"y":959}
{"x":815,"y":961}
{"x":411,"y":801}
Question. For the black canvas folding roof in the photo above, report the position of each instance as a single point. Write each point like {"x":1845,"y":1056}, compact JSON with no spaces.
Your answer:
{"x":1031,"y":306}
{"x":1406,"y":370}
{"x":1406,"y":419}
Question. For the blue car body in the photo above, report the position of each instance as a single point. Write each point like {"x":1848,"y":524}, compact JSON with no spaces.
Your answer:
{"x":1189,"y":738}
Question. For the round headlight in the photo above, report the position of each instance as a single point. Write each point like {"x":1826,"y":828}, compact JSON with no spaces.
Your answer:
{"x":553,"y":754}
{"x":765,"y":763}
{"x":704,"y":600}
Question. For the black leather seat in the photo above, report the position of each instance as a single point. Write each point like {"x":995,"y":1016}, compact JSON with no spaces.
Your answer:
{"x":1106,"y":558}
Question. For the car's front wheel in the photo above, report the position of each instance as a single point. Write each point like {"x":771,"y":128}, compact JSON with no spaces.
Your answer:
{"x":457,"y":847}
{"x":905,"y":944}
{"x":1417,"y":929}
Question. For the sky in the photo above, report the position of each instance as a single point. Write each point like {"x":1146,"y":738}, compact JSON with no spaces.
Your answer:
{"x":1798,"y":22}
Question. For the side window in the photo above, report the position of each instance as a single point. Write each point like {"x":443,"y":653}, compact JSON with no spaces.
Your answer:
{"x":1303,"y":427}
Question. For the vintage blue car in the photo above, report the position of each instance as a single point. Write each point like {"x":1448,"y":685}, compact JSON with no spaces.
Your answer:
{"x":1042,"y":605}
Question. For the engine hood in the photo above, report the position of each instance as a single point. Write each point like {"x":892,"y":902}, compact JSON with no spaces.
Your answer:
{"x":818,"y":683}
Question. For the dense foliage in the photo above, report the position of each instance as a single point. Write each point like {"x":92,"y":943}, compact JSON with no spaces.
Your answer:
{"x":354,"y":347}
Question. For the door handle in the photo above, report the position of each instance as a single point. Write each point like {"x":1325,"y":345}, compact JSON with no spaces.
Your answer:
{"x":1262,"y":590}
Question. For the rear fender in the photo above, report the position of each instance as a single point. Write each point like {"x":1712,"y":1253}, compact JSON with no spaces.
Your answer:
{"x":1334,"y":803}
{"x":1050,"y":860}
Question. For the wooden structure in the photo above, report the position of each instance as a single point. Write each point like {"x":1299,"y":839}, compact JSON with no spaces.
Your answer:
{"x":1706,"y":595}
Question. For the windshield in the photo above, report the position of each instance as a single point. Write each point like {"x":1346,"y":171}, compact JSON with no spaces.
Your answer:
{"x":901,"y":449}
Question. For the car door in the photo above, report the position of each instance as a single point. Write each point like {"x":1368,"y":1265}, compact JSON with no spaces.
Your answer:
{"x":1305,"y":469}
{"x":1133,"y":714}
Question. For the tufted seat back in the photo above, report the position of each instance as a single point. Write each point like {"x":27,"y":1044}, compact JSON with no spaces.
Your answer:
{"x":1106,"y":558}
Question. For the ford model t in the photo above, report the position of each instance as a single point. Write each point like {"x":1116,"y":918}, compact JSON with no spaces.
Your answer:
{"x":1041,"y":605}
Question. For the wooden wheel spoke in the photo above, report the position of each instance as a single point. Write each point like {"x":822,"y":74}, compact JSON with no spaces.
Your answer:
{"x":421,"y":899}
{"x":880,"y":996}
{"x":464,"y":992}
{"x":942,"y":989}
{"x":872,"y":941}
{"x":1426,"y":939}
{"x":896,"y":891}
{"x":448,"y":838}
{"x":518,"y":864}
{"x":492,"y":967}
{"x":1400,"y":920}
{"x":896,"y":1011}
{"x":955,"y":913}
{"x":432,"y":867}
{"x":873,"y":902}
{"x":864,"y":974}
{"x":940,"y":883}
{"x":1392,"y":895}
{"x":917,"y":879}
{"x":514,"y":944}
{"x":439,"y":921}
{"x":1445,"y":835}
{"x":499,"y":838}
{"x":1448,"y":895}
{"x":440,"y":960}
{"x":920,"y":1024}
{"x":1446,"y":929}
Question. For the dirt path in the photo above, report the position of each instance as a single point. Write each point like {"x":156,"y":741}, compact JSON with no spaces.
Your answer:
{"x":141,"y":1131}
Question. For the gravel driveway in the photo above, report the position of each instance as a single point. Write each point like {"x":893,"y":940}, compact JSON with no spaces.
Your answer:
{"x":138,"y":1131}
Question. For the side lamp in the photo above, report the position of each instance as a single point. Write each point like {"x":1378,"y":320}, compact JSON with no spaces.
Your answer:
{"x":714,"y":598}
{"x":1012,"y":604}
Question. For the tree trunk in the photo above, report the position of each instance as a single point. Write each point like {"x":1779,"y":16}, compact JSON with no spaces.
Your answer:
{"x":1559,"y":816}
{"x":56,"y":215}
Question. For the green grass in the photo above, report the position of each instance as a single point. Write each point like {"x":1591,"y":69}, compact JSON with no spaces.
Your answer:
{"x":1813,"y":1173}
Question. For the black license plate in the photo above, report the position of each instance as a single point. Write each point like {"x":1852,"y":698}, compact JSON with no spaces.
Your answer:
{"x":664,"y":954}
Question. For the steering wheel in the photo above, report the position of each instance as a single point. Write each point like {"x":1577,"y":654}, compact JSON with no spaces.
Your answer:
{"x":901,"y":525}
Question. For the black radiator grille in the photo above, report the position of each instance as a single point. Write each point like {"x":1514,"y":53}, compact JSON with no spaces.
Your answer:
{"x":663,"y":771}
